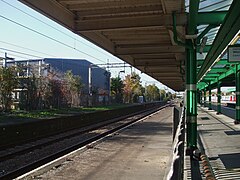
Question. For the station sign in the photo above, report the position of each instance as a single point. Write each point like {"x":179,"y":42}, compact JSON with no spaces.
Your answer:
{"x":234,"y":53}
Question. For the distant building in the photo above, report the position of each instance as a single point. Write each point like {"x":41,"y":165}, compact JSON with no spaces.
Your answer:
{"x":100,"y":77}
{"x":99,"y":82}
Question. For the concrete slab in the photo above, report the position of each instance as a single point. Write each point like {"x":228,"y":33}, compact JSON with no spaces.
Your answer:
{"x":214,"y":133}
{"x":138,"y":152}
{"x":220,"y":138}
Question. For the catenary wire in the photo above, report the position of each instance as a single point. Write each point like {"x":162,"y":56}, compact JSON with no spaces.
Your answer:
{"x":52,"y":27}
{"x":14,"y":55}
{"x":26,"y":54}
{"x":26,"y":48}
{"x":46,"y":36}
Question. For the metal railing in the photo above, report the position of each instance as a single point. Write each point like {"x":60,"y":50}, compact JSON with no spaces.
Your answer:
{"x":177,"y":160}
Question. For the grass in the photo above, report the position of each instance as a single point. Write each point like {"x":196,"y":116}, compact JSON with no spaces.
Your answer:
{"x":18,"y":115}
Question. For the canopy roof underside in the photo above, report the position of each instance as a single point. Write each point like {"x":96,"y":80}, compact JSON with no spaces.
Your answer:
{"x":137,"y":31}
{"x":140,"y":32}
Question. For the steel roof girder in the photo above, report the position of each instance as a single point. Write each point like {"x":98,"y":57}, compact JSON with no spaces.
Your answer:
{"x":228,"y":73}
{"x":212,"y":75}
{"x":225,"y":34}
{"x":213,"y":18}
{"x":222,"y":76}
{"x":205,"y":49}
{"x":209,"y":79}
{"x":221,"y":62}
{"x":205,"y":31}
{"x":193,"y":14}
{"x":217,"y":70}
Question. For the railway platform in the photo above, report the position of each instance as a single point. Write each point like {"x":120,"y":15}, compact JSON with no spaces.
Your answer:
{"x":140,"y":151}
{"x":219,"y":138}
{"x":143,"y":151}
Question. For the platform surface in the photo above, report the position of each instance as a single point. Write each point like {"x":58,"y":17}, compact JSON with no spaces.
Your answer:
{"x":221,"y":141}
{"x":139,"y":152}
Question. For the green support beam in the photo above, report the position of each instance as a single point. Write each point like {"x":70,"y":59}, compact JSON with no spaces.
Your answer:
{"x":201,"y":85}
{"x":221,"y":62}
{"x":191,"y":68}
{"x":204,"y":32}
{"x":209,"y":97}
{"x":213,"y":17}
{"x":210,"y":78}
{"x":205,"y":97}
{"x":193,"y":17}
{"x":226,"y":33}
{"x":217,"y":70}
{"x":200,"y":98}
{"x":191,"y":98}
{"x":205,"y":49}
{"x":222,"y":76}
{"x":219,"y":97}
{"x":225,"y":74}
{"x":212,"y":75}
{"x":199,"y":62}
{"x":229,"y":72}
{"x":237,"y":121}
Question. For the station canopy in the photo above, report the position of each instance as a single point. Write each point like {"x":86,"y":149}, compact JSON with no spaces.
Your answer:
{"x":149,"y":34}
{"x":213,"y":64}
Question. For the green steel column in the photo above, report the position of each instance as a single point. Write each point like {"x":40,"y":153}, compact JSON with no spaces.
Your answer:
{"x":210,"y":97}
{"x":219,"y":98}
{"x":237,"y":121}
{"x":205,"y":97}
{"x":191,"y":110}
{"x":200,"y":97}
{"x":197,"y":94}
{"x":191,"y":76}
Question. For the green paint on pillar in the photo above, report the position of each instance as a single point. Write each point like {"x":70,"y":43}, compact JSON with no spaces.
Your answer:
{"x":191,"y":76}
{"x":191,"y":66}
{"x":210,"y":97}
{"x":219,"y":98}
{"x":200,"y":97}
{"x":205,"y":97}
{"x":238,"y":97}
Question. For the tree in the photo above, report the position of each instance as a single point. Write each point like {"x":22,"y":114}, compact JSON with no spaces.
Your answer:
{"x":74,"y":86}
{"x":53,"y":94}
{"x":174,"y":96}
{"x":152,"y":93}
{"x":169,"y":95}
{"x":38,"y":87}
{"x":162,"y":95}
{"x":32,"y":93}
{"x":117,"y":89}
{"x":8,"y":83}
{"x":132,"y":88}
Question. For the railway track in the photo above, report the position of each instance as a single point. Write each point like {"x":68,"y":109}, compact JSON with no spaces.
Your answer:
{"x":15,"y":161}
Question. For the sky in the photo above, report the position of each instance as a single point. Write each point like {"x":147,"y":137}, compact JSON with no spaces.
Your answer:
{"x":26,"y":34}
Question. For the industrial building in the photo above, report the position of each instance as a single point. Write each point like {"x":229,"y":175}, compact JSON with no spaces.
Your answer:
{"x":96,"y":80}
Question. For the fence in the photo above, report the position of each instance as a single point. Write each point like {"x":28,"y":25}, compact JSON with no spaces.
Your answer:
{"x":177,"y":160}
